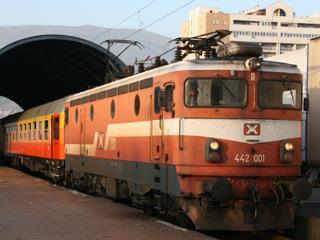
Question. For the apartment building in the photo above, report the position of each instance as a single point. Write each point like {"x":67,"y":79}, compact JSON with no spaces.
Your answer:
{"x":275,"y":27}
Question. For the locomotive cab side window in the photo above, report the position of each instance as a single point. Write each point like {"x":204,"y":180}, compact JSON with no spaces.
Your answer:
{"x":217,"y":92}
{"x":158,"y":99}
{"x":280,"y":94}
{"x":169,"y":98}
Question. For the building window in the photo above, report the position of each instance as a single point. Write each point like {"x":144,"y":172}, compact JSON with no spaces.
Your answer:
{"x":279,"y":13}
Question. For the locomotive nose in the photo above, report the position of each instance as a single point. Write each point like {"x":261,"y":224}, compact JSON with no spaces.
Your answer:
{"x":301,"y":189}
{"x":220,"y":189}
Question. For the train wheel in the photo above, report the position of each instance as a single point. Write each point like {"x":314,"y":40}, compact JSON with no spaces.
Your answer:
{"x":150,"y":211}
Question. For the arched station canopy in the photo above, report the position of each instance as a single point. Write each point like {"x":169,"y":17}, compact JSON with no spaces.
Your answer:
{"x":43,"y":68}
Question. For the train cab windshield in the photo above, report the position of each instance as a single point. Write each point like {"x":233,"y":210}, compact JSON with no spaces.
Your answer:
{"x":280,"y":94}
{"x":219,"y":92}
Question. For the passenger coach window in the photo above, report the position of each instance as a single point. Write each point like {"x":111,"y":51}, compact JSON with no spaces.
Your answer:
{"x":25,"y":131}
{"x":280,"y":94}
{"x":40,"y":130}
{"x":34,"y":130}
{"x":46,"y":132}
{"x":218,"y":92}
{"x":20,"y":133}
{"x":29,"y":131}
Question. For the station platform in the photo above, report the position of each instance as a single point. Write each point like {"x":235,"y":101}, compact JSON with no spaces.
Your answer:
{"x":32,"y":208}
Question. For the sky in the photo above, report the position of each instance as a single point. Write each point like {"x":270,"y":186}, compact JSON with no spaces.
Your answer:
{"x":108,"y":13}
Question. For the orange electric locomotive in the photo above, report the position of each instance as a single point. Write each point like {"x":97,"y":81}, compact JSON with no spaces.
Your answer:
{"x":213,"y":139}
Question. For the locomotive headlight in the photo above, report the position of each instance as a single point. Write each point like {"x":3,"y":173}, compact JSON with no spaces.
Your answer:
{"x":253,"y":64}
{"x":214,"y":145}
{"x":287,"y":152}
{"x":288,"y":147}
{"x":213,"y":151}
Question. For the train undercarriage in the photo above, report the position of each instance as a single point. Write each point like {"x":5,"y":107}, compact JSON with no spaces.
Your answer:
{"x":201,"y":212}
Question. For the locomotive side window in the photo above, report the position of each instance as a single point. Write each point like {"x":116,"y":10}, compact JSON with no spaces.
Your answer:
{"x":76,"y":115}
{"x":113,"y":109}
{"x":219,"y":92}
{"x":280,"y":94}
{"x":91,"y":112}
{"x":66,"y":116}
{"x":137,"y":105}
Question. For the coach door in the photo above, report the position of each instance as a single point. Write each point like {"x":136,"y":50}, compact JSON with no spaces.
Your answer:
{"x":83,"y":130}
{"x":159,"y":145}
{"x":55,"y":136}
{"x":157,"y":127}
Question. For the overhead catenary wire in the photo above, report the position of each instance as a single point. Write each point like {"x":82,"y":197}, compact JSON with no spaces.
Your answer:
{"x":159,"y":19}
{"x":104,"y":32}
{"x":124,"y":20}
{"x":139,"y":30}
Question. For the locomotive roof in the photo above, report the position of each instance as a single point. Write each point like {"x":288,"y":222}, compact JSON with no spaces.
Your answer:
{"x":53,"y":107}
{"x":198,"y":64}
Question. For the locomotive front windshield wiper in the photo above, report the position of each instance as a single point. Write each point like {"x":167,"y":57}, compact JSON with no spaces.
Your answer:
{"x":288,"y":88}
{"x":225,"y":86}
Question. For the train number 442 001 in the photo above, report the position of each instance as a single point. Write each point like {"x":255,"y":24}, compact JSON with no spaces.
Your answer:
{"x":247,"y":158}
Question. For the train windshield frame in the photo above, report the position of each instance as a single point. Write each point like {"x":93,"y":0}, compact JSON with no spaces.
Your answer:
{"x":276,"y":94}
{"x":216,"y":93}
